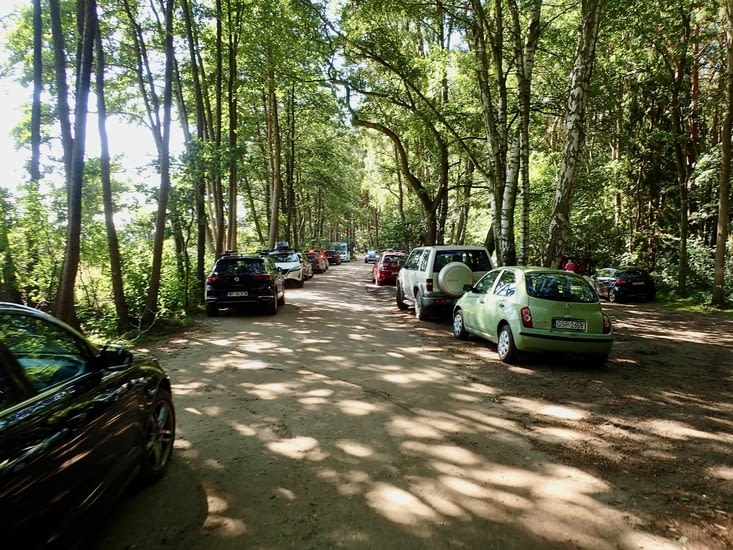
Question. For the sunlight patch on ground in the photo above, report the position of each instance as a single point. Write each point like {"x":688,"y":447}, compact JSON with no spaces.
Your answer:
{"x":402,"y":426}
{"x":399,"y":506}
{"x":721,"y":472}
{"x":354,"y":448}
{"x":674,"y":430}
{"x":298,"y":448}
{"x":452,"y":454}
{"x":565,"y":413}
{"x":269,"y":391}
{"x":357,"y":408}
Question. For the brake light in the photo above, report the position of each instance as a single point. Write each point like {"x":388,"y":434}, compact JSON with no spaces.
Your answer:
{"x":606,"y":324}
{"x":620,"y":282}
{"x":213,"y":278}
{"x":429,"y":285}
{"x":263,"y":277}
{"x":526,"y":316}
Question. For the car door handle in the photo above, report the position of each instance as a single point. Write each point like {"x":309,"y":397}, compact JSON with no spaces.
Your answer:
{"x":501,"y":304}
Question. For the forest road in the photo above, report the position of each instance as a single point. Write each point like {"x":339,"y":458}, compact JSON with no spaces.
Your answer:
{"x":342,"y":422}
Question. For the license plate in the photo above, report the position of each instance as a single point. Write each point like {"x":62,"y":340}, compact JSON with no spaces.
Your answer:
{"x":568,"y":324}
{"x":237,"y":293}
{"x":637,"y":283}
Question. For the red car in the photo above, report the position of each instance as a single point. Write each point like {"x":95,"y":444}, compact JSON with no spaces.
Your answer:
{"x":386,"y":267}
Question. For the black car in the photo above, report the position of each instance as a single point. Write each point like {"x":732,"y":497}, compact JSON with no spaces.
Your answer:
{"x":617,"y":284}
{"x":333,"y":257}
{"x":244,"y":280}
{"x":77,"y":424}
{"x":318,"y":260}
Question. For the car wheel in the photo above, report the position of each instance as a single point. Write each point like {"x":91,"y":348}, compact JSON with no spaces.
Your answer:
{"x":271,"y":307}
{"x":459,"y":330}
{"x":612,"y":296}
{"x":212,"y":310}
{"x":505,"y":344}
{"x":160,"y":437}
{"x":420,"y":311}
{"x":400,"y":298}
{"x":299,"y":284}
{"x":281,"y":300}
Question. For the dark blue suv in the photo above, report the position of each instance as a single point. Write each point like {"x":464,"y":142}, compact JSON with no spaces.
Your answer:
{"x":244,"y":280}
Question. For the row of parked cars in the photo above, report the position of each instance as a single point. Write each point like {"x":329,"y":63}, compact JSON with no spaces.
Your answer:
{"x":519,"y":308}
{"x":260,"y":279}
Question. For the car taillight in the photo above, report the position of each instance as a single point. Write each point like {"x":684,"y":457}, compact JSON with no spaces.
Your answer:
{"x":263,"y":277}
{"x":606,"y":324}
{"x":213,"y":278}
{"x":429,"y":285}
{"x":526,"y":316}
{"x":620,"y":282}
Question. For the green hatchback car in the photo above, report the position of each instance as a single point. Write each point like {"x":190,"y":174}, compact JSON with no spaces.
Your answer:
{"x":535,"y":309}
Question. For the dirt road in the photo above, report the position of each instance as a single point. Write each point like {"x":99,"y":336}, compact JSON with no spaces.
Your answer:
{"x":344,"y":423}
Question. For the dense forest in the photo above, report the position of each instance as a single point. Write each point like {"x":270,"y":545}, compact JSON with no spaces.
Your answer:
{"x":597,"y":129}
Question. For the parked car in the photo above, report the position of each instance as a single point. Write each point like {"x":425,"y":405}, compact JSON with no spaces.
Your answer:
{"x":618,"y":284}
{"x":78,"y":423}
{"x":318,"y":260}
{"x":371,"y":256}
{"x":244,"y":280}
{"x":289,"y":264}
{"x":387,"y":266}
{"x":434,"y":277}
{"x":333,"y":257}
{"x":533,"y":309}
{"x":307,"y":267}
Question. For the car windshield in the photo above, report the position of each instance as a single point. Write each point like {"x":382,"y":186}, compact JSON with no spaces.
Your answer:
{"x":559,"y":286}
{"x":285,"y":257}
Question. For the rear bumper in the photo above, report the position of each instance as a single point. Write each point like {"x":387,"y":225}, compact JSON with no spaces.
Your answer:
{"x":563,"y":342}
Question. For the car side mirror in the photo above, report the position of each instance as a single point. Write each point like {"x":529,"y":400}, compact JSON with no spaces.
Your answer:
{"x":113,"y":355}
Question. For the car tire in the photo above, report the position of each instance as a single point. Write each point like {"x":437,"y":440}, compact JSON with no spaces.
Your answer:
{"x":271,"y":306}
{"x":212,"y":310}
{"x":505,"y":344}
{"x":459,"y":329}
{"x":420,"y":312}
{"x":612,"y":296}
{"x":159,"y":438}
{"x":300,"y":284}
{"x":400,"y":298}
{"x":453,"y":277}
{"x":281,"y":300}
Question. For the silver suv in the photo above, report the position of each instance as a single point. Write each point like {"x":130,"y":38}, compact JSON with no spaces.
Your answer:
{"x":433,"y":277}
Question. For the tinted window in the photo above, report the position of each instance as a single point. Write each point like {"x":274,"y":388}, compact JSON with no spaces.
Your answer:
{"x":560,"y":286}
{"x":240,"y":266}
{"x":285,"y":257}
{"x":413,"y":258}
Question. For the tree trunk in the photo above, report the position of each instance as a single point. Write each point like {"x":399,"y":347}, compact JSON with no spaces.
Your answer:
{"x":725,"y":168}
{"x":275,"y":156}
{"x":123,"y":321}
{"x":151,"y":301}
{"x":575,"y":132}
{"x":86,"y":23}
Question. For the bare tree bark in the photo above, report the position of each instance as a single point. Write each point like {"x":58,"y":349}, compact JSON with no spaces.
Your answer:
{"x":725,"y":168}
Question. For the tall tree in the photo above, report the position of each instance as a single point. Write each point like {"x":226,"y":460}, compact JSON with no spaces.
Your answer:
{"x":87,"y":27}
{"x":725,"y":165}
{"x":590,"y":19}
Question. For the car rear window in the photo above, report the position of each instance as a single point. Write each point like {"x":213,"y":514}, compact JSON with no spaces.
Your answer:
{"x":477,"y":260}
{"x":285,"y":257}
{"x":240,"y":266}
{"x":559,"y":286}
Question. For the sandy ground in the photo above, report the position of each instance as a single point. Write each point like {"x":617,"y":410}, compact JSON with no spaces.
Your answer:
{"x":342,"y":422}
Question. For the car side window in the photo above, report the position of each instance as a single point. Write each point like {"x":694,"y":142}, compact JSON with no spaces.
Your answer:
{"x":47,"y":353}
{"x":413,"y":259}
{"x":507,"y":284}
{"x":486,"y":282}
{"x":422,"y":262}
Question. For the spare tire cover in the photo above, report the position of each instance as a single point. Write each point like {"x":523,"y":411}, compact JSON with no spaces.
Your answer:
{"x":453,"y":277}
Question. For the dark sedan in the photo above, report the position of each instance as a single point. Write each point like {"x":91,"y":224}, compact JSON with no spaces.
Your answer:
{"x":77,"y":424}
{"x":624,"y":283}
